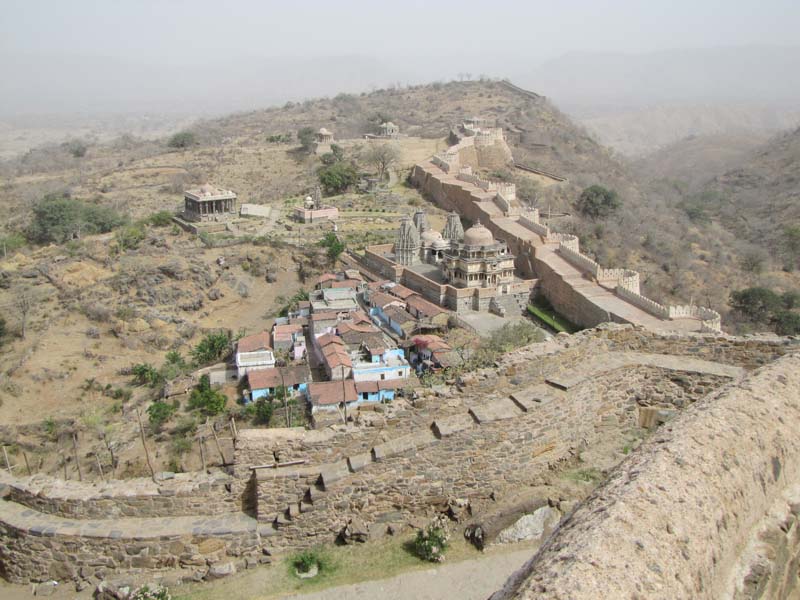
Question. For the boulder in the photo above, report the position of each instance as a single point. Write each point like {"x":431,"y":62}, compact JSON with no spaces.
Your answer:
{"x":220,"y":570}
{"x":46,"y":588}
{"x":535,"y":526}
{"x":355,"y":531}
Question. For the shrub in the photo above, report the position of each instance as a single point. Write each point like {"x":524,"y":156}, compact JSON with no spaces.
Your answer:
{"x":213,"y":347}
{"x":11,"y":242}
{"x":182,"y":139}
{"x":162,"y":218}
{"x":160,"y":412}
{"x":597,"y":202}
{"x":787,"y":323}
{"x":333,"y":245}
{"x":432,"y":542}
{"x":76,"y":148}
{"x":146,"y":374}
{"x":206,"y":399}
{"x":305,"y":561}
{"x":157,"y":592}
{"x":756,"y":303}
{"x":129,"y":237}
{"x":262,"y":411}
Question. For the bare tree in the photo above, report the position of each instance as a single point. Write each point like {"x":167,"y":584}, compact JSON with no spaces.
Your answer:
{"x":383,"y":157}
{"x":24,"y":302}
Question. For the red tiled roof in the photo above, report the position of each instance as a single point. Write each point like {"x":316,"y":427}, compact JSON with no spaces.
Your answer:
{"x":286,"y":331}
{"x":398,"y":315}
{"x":431,"y":342}
{"x":425,"y":308}
{"x":255,"y":342}
{"x":346,"y":283}
{"x":366,"y":386}
{"x":345,"y":327}
{"x":328,"y":393}
{"x":271,"y":378}
{"x":327,"y":339}
{"x":375,"y":286}
{"x":382,"y":300}
{"x":392,"y":384}
{"x":401,"y":291}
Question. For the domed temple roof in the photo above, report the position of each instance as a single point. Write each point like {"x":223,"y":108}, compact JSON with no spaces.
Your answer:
{"x":478,"y":235}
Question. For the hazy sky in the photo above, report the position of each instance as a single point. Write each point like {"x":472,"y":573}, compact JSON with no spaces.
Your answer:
{"x":177,"y":31}
{"x":227,"y":54}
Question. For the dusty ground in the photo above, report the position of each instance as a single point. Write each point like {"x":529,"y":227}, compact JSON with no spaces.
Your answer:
{"x":474,"y":579}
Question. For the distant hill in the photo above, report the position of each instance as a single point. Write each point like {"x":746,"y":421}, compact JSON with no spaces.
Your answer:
{"x":761,"y":197}
{"x":695,"y":159}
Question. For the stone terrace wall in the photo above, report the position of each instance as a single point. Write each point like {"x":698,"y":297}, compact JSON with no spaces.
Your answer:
{"x":685,"y":514}
{"x":183,"y":494}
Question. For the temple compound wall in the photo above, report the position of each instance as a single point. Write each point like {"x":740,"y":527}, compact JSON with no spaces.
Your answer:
{"x":708,"y":508}
{"x":294,"y":488}
{"x":577,"y":286}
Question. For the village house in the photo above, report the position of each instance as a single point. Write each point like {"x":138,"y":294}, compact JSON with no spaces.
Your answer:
{"x":254,"y":352}
{"x":265,"y":382}
{"x":421,"y":309}
{"x":338,"y":300}
{"x":378,"y":391}
{"x":430,"y":352}
{"x":398,"y":320}
{"x":334,"y":356}
{"x":289,"y":338}
{"x":331,"y":396}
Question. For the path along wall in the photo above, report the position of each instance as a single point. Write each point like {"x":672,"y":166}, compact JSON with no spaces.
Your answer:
{"x":706,"y":509}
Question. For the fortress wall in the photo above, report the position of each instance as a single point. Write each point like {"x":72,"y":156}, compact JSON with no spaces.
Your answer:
{"x":421,"y":471}
{"x":185,"y":494}
{"x":376,"y":263}
{"x":73,"y":552}
{"x":646,"y":304}
{"x":565,"y":296}
{"x":430,"y":290}
{"x":706,"y":509}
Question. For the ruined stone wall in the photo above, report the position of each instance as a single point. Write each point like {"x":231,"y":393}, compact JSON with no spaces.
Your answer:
{"x":706,"y":509}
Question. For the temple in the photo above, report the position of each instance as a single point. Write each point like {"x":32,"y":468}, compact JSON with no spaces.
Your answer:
{"x":208,"y":203}
{"x":461,"y":270}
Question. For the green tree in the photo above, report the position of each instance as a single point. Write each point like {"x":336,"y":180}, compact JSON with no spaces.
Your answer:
{"x":333,"y":245}
{"x":263,"y":411}
{"x":146,"y":374}
{"x":336,"y":178}
{"x":756,"y":303}
{"x":306,"y":138}
{"x":182,"y":139}
{"x":59,"y":219}
{"x":787,"y":323}
{"x":597,"y":202}
{"x":159,"y":412}
{"x":213,"y":347}
{"x":206,"y":399}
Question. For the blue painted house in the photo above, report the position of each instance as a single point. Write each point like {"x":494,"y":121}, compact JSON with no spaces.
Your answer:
{"x":265,"y":382}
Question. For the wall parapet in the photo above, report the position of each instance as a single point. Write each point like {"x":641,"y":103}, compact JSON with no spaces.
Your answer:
{"x":643,"y":302}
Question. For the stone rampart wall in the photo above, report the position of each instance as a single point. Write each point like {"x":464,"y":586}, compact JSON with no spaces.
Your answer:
{"x":465,"y":455}
{"x":706,"y":509}
{"x":184,"y":494}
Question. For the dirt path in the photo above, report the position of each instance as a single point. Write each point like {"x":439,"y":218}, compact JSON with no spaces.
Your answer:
{"x":474,"y":579}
